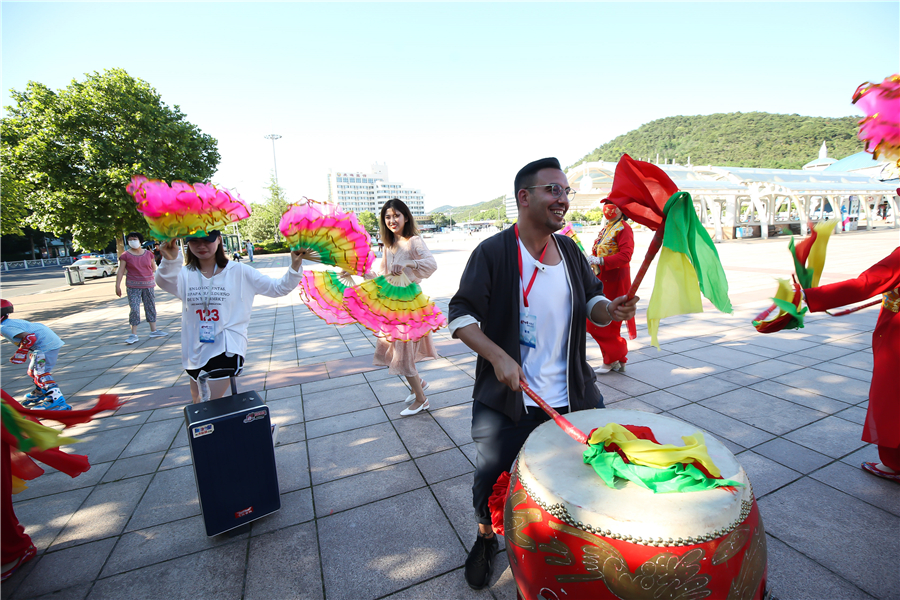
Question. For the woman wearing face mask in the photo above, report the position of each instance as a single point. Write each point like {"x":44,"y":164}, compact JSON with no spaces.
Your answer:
{"x":405,"y":252}
{"x":137,"y":266}
{"x":610,"y":258}
{"x":217,"y":297}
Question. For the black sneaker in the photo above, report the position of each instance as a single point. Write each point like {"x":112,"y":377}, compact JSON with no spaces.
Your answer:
{"x":480,"y":562}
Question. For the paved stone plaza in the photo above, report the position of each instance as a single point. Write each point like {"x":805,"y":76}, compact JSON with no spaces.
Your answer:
{"x":379,"y":506}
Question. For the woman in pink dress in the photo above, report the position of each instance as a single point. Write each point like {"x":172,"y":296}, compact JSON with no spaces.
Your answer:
{"x":405,"y":252}
{"x":137,"y":266}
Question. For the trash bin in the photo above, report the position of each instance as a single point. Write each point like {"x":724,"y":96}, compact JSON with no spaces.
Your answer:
{"x":74,"y":276}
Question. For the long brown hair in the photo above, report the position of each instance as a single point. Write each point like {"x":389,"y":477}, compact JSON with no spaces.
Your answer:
{"x":409,"y":226}
{"x":194,"y":263}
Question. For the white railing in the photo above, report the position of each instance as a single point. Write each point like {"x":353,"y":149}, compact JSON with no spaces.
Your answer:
{"x":46,"y":262}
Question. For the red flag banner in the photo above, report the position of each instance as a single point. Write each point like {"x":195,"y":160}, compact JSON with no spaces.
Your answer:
{"x":640,"y":190}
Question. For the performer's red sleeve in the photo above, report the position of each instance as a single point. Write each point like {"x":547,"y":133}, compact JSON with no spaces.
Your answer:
{"x":878,"y":279}
{"x":625,"y":242}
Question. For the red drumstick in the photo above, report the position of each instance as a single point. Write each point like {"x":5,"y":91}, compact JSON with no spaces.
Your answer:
{"x":575,"y":433}
{"x":854,"y":309}
{"x":655,"y":245}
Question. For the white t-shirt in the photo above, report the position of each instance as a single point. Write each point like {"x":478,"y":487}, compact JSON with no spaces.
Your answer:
{"x":550,"y":301}
{"x":225,"y":301}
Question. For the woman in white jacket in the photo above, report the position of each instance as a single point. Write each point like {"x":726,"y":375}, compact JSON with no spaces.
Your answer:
{"x":217,"y":296}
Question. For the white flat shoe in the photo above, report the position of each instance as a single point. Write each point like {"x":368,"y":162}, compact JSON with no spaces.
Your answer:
{"x":408,"y":412}
{"x":412,"y":397}
{"x":604,"y":368}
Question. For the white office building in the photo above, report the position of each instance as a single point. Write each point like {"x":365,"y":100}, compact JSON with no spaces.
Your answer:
{"x":359,"y":192}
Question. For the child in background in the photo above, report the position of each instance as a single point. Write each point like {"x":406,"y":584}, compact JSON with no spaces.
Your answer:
{"x":43,"y":345}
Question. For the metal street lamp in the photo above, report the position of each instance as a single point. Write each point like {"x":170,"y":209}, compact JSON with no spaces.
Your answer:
{"x":450,"y":214}
{"x":273,"y":137}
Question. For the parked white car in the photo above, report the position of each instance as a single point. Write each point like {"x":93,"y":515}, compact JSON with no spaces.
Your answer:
{"x":95,"y":267}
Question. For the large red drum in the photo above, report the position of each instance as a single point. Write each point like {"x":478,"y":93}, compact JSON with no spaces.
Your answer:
{"x":569,"y":536}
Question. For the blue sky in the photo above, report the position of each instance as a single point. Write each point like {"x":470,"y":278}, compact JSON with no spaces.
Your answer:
{"x":454,"y":97}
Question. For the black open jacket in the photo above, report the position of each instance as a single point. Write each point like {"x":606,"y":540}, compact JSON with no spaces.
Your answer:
{"x":489,"y":292}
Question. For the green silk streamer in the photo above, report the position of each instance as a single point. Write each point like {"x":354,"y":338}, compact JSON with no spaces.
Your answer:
{"x":680,"y":477}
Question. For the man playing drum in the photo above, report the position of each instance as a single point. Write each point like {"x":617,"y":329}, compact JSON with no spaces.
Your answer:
{"x":521,"y":306}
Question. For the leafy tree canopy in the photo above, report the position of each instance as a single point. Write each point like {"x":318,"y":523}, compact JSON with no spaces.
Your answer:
{"x":71,"y":153}
{"x":369,"y":221}
{"x":262,"y":224}
{"x":756,"y":140}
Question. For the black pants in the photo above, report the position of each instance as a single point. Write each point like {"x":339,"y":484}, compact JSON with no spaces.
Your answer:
{"x":498,"y":440}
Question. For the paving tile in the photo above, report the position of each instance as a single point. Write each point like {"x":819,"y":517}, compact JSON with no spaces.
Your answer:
{"x":281,"y":565}
{"x":170,"y":496}
{"x":765,"y":475}
{"x":176,"y":457}
{"x":722,"y":356}
{"x":296,"y":507}
{"x":145,"y":547}
{"x":861,"y":374}
{"x":152,"y":437}
{"x":634,"y":404}
{"x":801,"y":397}
{"x":827,"y":384}
{"x":290,"y":434}
{"x":854,"y":414}
{"x":763,"y":411}
{"x":831,"y":436}
{"x":795,"y":576}
{"x":722,"y":425}
{"x":325,"y":404}
{"x":663,"y":374}
{"x":868,"y":453}
{"x":422,"y":435}
{"x":359,"y":561}
{"x":852,"y":480}
{"x":661,"y":399}
{"x":438,"y":400}
{"x":702,"y":388}
{"x":66,"y":568}
{"x":844,"y":546}
{"x":54,"y":482}
{"x":104,"y":513}
{"x":767,"y":368}
{"x":444,"y":465}
{"x":161,"y":414}
{"x":287,"y":392}
{"x":334,"y":383}
{"x":107,"y":422}
{"x":470,"y":451}
{"x":798,"y":458}
{"x":609,"y":394}
{"x":359,"y":490}
{"x":455,"y":497}
{"x":341,"y":455}
{"x":389,"y":391}
{"x":345,"y":422}
{"x":456,"y":421}
{"x":627,"y":384}
{"x":286,"y":411}
{"x":43,"y":518}
{"x":214,"y":573}
{"x":293,"y":467}
{"x":133,"y":467}
{"x":103,"y":446}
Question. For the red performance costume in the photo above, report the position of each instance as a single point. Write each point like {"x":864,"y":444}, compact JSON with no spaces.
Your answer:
{"x":614,"y":245}
{"x":18,"y":461}
{"x":883,"y":417}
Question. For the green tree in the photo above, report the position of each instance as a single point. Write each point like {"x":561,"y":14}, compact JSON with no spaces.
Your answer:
{"x":262,"y":224}
{"x":73,"y":152}
{"x":369,"y":221}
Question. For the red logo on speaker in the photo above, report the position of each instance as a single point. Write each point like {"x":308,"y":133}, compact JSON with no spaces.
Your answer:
{"x":243,"y":513}
{"x":254,"y":416}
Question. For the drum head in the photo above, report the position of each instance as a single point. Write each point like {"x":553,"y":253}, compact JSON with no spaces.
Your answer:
{"x":551,"y":467}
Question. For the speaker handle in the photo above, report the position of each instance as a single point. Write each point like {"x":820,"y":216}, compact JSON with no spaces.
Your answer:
{"x":233,"y":386}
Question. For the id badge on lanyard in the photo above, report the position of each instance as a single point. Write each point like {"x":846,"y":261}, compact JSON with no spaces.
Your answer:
{"x":528,"y":329}
{"x":207,"y":328}
{"x":207,"y":333}
{"x":528,"y":321}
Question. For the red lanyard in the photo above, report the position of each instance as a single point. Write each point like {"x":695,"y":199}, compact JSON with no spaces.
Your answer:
{"x":526,"y":291}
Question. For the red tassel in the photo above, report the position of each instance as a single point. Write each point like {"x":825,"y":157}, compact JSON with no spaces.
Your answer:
{"x":497,"y":502}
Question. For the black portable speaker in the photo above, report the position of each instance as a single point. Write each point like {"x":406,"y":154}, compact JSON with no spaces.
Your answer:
{"x":234,"y":460}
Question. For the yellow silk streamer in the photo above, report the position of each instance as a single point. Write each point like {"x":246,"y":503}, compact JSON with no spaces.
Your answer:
{"x":43,"y":437}
{"x":816,"y":258}
{"x":18,"y":486}
{"x":648,"y":454}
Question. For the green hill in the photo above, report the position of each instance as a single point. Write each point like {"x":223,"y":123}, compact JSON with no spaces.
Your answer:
{"x":483,"y":211}
{"x":755,"y":139}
